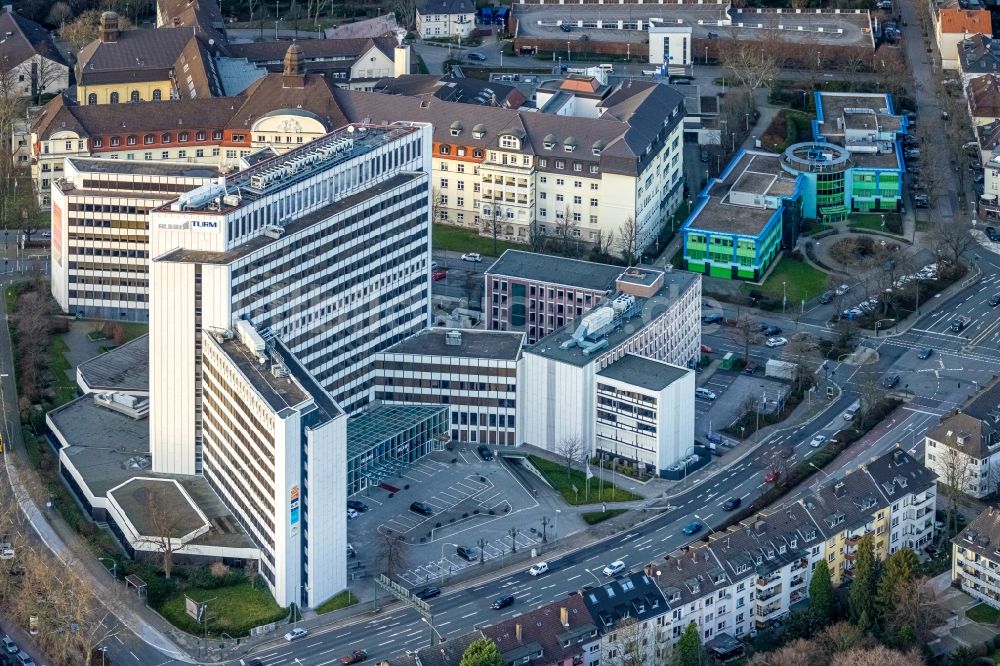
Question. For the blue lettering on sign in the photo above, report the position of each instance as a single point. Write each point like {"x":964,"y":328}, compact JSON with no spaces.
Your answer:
{"x":204,"y":224}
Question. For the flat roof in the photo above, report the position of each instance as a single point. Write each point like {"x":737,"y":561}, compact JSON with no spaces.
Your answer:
{"x":280,"y":393}
{"x":140,"y":496}
{"x":494,"y":345}
{"x":550,"y":345}
{"x":380,"y":423}
{"x":319,"y":215}
{"x":124,"y":368}
{"x":756,"y":172}
{"x":644,"y":372}
{"x":143,"y":168}
{"x":833,"y":105}
{"x":536,"y":267}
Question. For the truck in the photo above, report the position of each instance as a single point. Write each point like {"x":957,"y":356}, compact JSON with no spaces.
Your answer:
{"x":779,"y":369}
{"x":959,"y":322}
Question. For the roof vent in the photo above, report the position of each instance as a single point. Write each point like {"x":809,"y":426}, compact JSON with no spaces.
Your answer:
{"x":453,"y":338}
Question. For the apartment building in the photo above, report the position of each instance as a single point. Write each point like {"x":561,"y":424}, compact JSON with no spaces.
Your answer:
{"x":35,"y":65}
{"x":273,"y":448}
{"x":975,"y":562}
{"x":100,"y":232}
{"x":626,"y":612}
{"x":539,"y":294}
{"x":965,"y":450}
{"x":473,"y":373}
{"x":557,"y":634}
{"x":288,"y":245}
{"x":445,"y":18}
{"x":953,"y":24}
{"x":645,"y":412}
{"x":651,"y":314}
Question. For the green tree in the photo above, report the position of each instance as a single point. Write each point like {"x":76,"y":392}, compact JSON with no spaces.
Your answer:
{"x":688,"y":651}
{"x":861,"y":601}
{"x":899,"y":569}
{"x":482,"y":652}
{"x":821,"y":593}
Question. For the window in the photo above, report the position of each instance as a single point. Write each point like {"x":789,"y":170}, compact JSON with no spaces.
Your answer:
{"x":134,"y":97}
{"x":444,"y":149}
{"x":231,"y":154}
{"x":559,"y":197}
{"x":200,"y":152}
{"x":217,"y":135}
{"x":183,"y":136}
{"x":543,"y":163}
{"x":242,"y":137}
{"x":460,"y":184}
{"x":577,"y":166}
{"x":132,"y":140}
{"x":92,"y":98}
{"x":182,"y":154}
{"x":114,"y":98}
{"x":510,"y":141}
{"x":543,"y":179}
{"x":560,"y":181}
{"x":460,"y":201}
{"x":148,"y":139}
{"x":593,"y":202}
{"x":165,"y":137}
{"x":560,"y":164}
{"x":156,"y":95}
{"x":593,"y":219}
{"x":97,"y":143}
{"x":147,"y":156}
{"x":115,"y":141}
{"x":577,"y":200}
{"x":460,"y":168}
{"x":593,"y":168}
{"x":444,"y":183}
{"x":594,"y":186}
{"x":199,"y":136}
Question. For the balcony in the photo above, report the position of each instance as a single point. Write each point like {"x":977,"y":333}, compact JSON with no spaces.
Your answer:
{"x":763,"y":582}
{"x":764,"y":596}
{"x":798,"y":580}
{"x":801,"y":564}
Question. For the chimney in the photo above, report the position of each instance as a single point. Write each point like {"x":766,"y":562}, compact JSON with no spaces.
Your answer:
{"x":564,"y":617}
{"x":401,"y":61}
{"x":517,"y":632}
{"x":109,"y":27}
{"x":839,"y":489}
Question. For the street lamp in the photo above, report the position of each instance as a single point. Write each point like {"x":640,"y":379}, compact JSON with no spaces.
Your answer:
{"x":748,"y":121}
{"x":441,"y":568}
{"x":114,"y":566}
{"x":555,"y":527}
{"x":567,"y":52}
{"x":784,"y":295}
{"x":819,"y":469}
{"x":705,"y":522}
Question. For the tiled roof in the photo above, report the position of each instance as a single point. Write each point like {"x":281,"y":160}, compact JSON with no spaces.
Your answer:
{"x":312,"y":49}
{"x":542,"y":629}
{"x":898,"y":473}
{"x":195,"y":74}
{"x":766,"y":542}
{"x":974,"y":433}
{"x":964,"y":21}
{"x":137,"y":55}
{"x":984,"y":96}
{"x":26,"y":39}
{"x":426,"y":7}
{"x":635,"y":596}
{"x":982,"y":535}
{"x":205,"y":14}
{"x":451,"y":89}
{"x":270,"y":95}
{"x":979,"y":54}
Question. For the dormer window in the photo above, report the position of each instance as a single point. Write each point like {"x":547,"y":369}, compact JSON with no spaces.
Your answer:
{"x":549,"y":145}
{"x":569,"y":148}
{"x":510,"y":141}
{"x":456,"y":128}
{"x":781,"y":550}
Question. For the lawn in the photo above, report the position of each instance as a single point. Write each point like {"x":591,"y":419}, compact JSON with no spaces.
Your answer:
{"x":65,"y":388}
{"x":234,"y":610}
{"x":134,"y":329}
{"x":794,"y":278}
{"x":336,"y":602}
{"x":458,"y":239}
{"x":983,"y":613}
{"x":873,"y":222}
{"x":556,"y":475}
{"x":594,"y":517}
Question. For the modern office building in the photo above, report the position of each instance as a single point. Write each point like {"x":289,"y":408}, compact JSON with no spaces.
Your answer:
{"x":539,"y":293}
{"x":652,"y":314}
{"x":289,"y":246}
{"x":473,"y":373}
{"x":100,"y":232}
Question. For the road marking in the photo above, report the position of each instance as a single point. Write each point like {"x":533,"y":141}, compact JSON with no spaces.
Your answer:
{"x":472,"y":614}
{"x":705,"y":519}
{"x":573,"y":578}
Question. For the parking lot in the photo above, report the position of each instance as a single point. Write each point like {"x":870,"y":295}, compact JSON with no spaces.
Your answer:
{"x":735,"y":393}
{"x":476,"y":504}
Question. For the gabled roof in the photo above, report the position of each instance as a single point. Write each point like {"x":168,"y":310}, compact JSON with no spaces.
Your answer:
{"x":982,"y":535}
{"x":205,"y":14}
{"x":635,"y":596}
{"x":195,"y":74}
{"x":898,"y":473}
{"x":542,"y":629}
{"x":964,"y":432}
{"x":964,"y":21}
{"x":984,"y":96}
{"x":26,"y":39}
{"x":136,"y":55}
{"x":979,"y":54}
{"x":313,"y":49}
{"x":426,"y":7}
{"x":270,"y":95}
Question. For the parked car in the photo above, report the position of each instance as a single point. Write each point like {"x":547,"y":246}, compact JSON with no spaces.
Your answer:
{"x":360,"y":507}
{"x":428,"y":593}
{"x":713,"y":35}
{"x":890,"y":381}
{"x":992,"y":234}
{"x":926,"y":352}
{"x":467,"y":554}
{"x":503,"y":602}
{"x":827,"y":297}
{"x":817,"y":441}
{"x":351,"y":514}
{"x":842,"y":289}
{"x":538,"y":568}
{"x":704,"y":156}
{"x":438,"y":274}
{"x":422,"y":508}
{"x":692,"y":528}
{"x":472,"y":256}
{"x":772,"y":476}
{"x":565,"y":27}
{"x":776,"y":342}
{"x":751,"y":368}
{"x":732,"y":503}
{"x":704,"y":393}
{"x":295,"y":634}
{"x":476,"y":56}
{"x":712,"y":319}
{"x":851,"y":313}
{"x":350,"y":551}
{"x":9,"y":645}
{"x":614,"y":568}
{"x":24,"y":659}
{"x":485,"y":452}
{"x":705,"y":349}
{"x":355,"y":657}
{"x":771,"y":331}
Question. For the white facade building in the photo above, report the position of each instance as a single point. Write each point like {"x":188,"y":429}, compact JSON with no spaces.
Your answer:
{"x":100,"y":232}
{"x":445,"y":18}
{"x":965,"y":449}
{"x":669,"y":45}
{"x":975,"y":562}
{"x":645,"y":412}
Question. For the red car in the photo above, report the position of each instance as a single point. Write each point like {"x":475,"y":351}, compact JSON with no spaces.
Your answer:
{"x":772,"y":476}
{"x":354,"y":658}
{"x":439,"y":274}
{"x":705,"y":349}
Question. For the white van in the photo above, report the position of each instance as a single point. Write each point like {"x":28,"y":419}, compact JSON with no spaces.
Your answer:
{"x":607,"y":67}
{"x":852,"y":411}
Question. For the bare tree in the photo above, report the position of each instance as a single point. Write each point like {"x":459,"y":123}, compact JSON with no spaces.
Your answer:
{"x":951,"y":238}
{"x":493,"y":226}
{"x":956,"y":469}
{"x":45,"y":72}
{"x":628,"y":241}
{"x":870,"y":391}
{"x":802,"y":351}
{"x":165,"y":523}
{"x":405,"y":11}
{"x":392,"y":552}
{"x":536,"y":239}
{"x":628,"y":644}
{"x":746,"y":333}
{"x":752,"y":63}
{"x":570,"y":449}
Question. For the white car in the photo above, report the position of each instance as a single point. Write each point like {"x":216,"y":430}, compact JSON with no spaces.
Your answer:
{"x":705,"y":393}
{"x":614,"y":568}
{"x":538,"y":569}
{"x":295,"y":634}
{"x":817,"y":441}
{"x":472,"y":256}
{"x":776,"y":342}
{"x":842,"y":289}
{"x":351,"y":514}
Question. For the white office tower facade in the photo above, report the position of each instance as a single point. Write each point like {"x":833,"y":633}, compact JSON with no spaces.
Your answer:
{"x":323,"y":252}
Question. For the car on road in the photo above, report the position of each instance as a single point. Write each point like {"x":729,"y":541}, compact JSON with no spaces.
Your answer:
{"x":692,"y":528}
{"x":890,"y":381}
{"x":565,"y":27}
{"x":502,"y":602}
{"x":472,"y":256}
{"x":476,"y":56}
{"x":704,"y":393}
{"x":538,"y":568}
{"x":731,"y":503}
{"x":295,"y":634}
{"x":776,"y":342}
{"x":485,"y":452}
{"x":705,"y":349}
{"x":438,"y":274}
{"x":713,"y":35}
{"x":704,"y":156}
{"x":994,"y":300}
{"x":771,"y":331}
{"x":9,"y":645}
{"x":355,"y":657}
{"x":851,"y":313}
{"x":817,"y":441}
{"x":422,"y":508}
{"x":772,"y":476}
{"x":351,"y":514}
{"x":360,"y":507}
{"x":614,"y":568}
{"x":827,"y":297}
{"x":842,"y":289}
{"x":467,"y":554}
{"x":715,"y":318}
{"x":925,"y":353}
{"x":428,"y":593}
{"x":992,"y":234}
